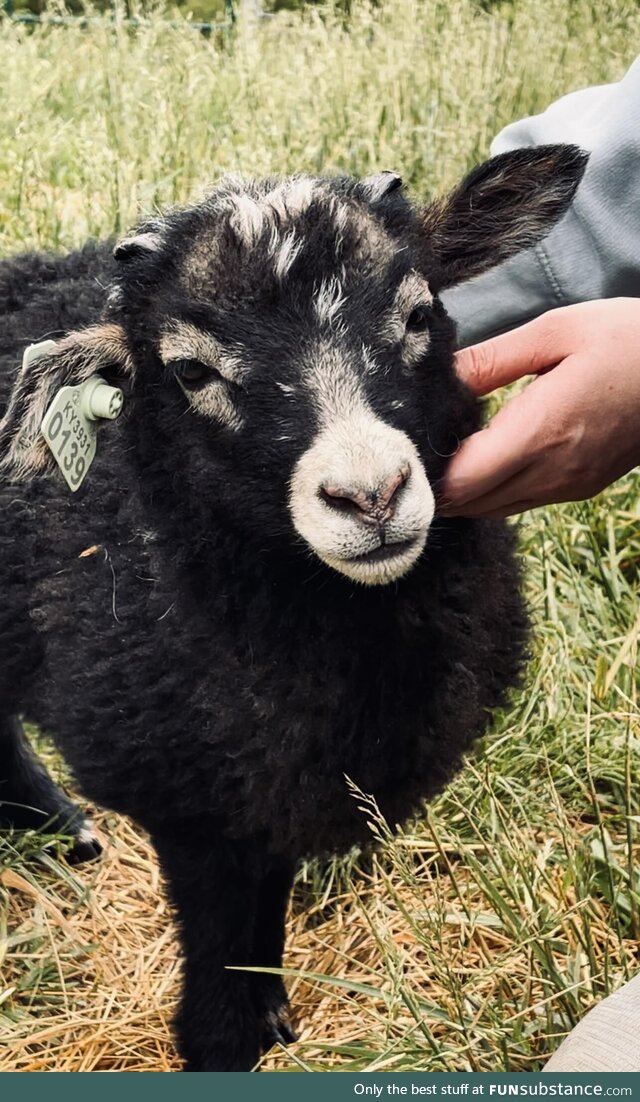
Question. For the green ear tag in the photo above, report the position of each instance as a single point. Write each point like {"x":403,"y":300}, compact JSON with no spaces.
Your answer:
{"x":69,"y":425}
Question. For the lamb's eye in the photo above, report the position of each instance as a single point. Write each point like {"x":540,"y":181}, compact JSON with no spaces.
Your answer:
{"x":418,"y":319}
{"x":192,"y":373}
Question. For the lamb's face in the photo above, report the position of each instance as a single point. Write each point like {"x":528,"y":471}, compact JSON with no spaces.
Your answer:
{"x":298,"y":331}
{"x":288,"y":363}
{"x":359,"y":493}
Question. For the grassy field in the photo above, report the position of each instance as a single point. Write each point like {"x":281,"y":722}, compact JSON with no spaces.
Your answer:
{"x":478,"y":937}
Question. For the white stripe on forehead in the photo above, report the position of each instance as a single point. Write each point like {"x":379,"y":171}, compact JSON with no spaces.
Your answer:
{"x":284,"y":251}
{"x":334,"y":385}
{"x":329,"y":300}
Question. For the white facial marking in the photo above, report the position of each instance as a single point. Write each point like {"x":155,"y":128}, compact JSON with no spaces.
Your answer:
{"x":247,"y":219}
{"x":414,"y":288}
{"x":287,"y":389}
{"x":359,"y":452}
{"x":251,"y":214}
{"x":213,"y":401}
{"x":340,"y":220}
{"x":334,"y":385}
{"x":292,"y":197}
{"x":329,"y":300}
{"x":371,"y":365}
{"x":147,"y":535}
{"x":184,"y":341}
{"x":413,"y":292}
{"x":358,"y":457}
{"x":287,"y":251}
{"x":340,"y":216}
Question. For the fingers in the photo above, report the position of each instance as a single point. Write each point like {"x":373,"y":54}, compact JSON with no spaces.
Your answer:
{"x":517,"y":495}
{"x":506,"y":497}
{"x":571,"y":431}
{"x":531,"y":486}
{"x":488,"y":459}
{"x":512,"y":510}
{"x":529,"y":350}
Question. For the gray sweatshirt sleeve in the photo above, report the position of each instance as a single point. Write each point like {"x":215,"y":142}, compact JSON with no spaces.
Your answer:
{"x":594,"y":251}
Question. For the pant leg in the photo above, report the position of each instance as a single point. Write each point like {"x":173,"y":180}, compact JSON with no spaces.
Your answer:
{"x":607,"y":1038}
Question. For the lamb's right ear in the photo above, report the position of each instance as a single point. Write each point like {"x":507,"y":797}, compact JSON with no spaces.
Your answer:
{"x":138,"y":245}
{"x":504,"y":205}
{"x":141,"y":243}
{"x":102,"y":348}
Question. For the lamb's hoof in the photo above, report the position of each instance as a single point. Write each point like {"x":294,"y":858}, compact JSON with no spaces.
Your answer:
{"x":276,"y":1029}
{"x":86,"y":846}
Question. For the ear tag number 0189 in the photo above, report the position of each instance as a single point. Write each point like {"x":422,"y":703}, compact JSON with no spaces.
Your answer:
{"x":69,"y":425}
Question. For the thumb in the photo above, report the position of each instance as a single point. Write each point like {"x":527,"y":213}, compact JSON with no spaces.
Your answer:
{"x":483,"y":462}
{"x":529,"y":350}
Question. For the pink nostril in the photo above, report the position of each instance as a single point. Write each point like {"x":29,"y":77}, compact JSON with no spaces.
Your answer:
{"x":387,"y":494}
{"x":375,"y":506}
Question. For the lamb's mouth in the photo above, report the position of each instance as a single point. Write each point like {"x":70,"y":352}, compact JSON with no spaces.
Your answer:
{"x":383,"y":552}
{"x":381,"y":565}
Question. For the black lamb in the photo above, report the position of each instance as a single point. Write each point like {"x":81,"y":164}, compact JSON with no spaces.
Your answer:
{"x":251,"y":596}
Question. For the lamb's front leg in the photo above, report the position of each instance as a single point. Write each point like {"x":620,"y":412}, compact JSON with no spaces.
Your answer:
{"x":270,"y":994}
{"x":29,"y":798}
{"x":213,"y":884}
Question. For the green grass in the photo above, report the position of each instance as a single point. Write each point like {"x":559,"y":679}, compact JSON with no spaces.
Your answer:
{"x":98,"y":125}
{"x":534,"y":843}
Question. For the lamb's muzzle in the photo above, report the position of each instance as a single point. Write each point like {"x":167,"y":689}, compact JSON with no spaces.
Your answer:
{"x":373,"y":505}
{"x":361,"y":499}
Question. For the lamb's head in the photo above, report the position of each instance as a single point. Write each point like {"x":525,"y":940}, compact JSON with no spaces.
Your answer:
{"x":288,"y":361}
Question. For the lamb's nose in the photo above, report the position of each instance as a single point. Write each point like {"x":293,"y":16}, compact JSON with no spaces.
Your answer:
{"x":369,"y":505}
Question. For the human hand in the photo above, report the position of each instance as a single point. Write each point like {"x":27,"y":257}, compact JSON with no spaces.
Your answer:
{"x":571,"y":432}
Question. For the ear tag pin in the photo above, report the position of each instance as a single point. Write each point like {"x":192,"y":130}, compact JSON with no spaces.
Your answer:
{"x":69,"y":425}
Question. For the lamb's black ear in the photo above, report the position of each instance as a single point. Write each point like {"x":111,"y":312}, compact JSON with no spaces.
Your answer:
{"x":504,"y":205}
{"x":145,"y":240}
{"x":103,"y":348}
{"x":137,"y":245}
{"x":380,"y":184}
